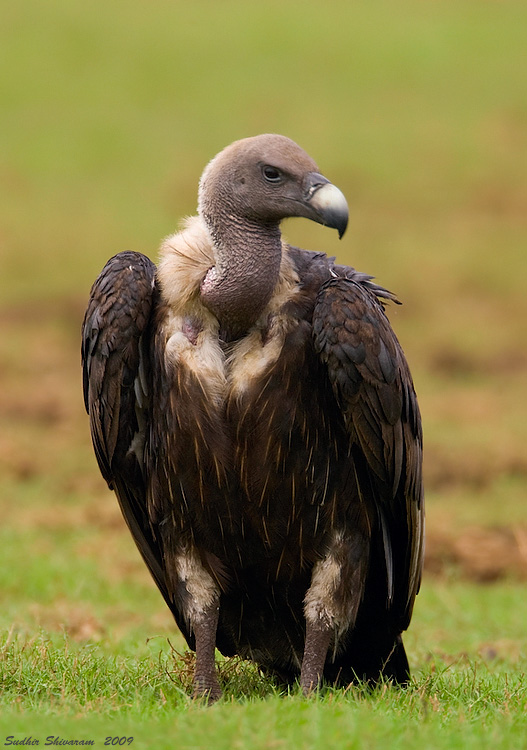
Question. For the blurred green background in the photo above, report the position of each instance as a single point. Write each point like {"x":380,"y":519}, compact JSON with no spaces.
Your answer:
{"x":416,"y":109}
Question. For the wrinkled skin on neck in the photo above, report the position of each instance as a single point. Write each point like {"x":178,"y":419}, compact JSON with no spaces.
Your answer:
{"x":238,"y":288}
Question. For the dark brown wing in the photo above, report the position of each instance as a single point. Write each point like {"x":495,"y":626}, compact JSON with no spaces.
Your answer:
{"x":116,"y":378}
{"x":374,"y":389}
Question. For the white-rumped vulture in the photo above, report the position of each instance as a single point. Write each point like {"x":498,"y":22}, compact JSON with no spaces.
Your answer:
{"x":254,"y":412}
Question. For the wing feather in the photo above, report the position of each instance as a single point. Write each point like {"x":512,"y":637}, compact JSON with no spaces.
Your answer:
{"x":116,"y":379}
{"x":373,"y":386}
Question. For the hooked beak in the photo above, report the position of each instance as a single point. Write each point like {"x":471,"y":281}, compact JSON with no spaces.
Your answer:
{"x":328,"y":204}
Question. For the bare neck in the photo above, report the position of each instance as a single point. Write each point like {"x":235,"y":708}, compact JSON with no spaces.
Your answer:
{"x":239,"y":286}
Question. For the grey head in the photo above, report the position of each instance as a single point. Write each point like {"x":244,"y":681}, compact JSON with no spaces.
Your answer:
{"x":244,"y":194}
{"x":267,"y":178}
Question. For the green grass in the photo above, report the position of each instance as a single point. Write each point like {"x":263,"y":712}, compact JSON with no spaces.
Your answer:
{"x":466,"y":645}
{"x":109,"y":112}
{"x":48,"y":685}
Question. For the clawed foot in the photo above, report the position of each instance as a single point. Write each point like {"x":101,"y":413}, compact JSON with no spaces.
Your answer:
{"x":309,"y":683}
{"x":207,"y":691}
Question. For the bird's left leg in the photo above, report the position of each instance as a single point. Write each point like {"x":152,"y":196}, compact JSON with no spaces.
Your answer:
{"x":332,"y":602}
{"x":318,"y":638}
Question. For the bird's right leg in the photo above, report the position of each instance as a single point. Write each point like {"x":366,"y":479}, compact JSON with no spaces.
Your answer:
{"x":205,"y":678}
{"x":200,"y":601}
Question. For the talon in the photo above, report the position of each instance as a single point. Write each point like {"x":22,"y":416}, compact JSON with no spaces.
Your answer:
{"x":207,"y":693}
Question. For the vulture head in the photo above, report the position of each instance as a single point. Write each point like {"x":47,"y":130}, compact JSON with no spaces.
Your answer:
{"x":268,"y":178}
{"x":244,"y":194}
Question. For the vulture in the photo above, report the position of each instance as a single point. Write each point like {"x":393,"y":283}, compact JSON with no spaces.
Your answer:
{"x":252,"y":409}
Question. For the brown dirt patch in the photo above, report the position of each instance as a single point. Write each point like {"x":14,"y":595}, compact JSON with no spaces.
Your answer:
{"x":75,"y":620}
{"x":478,"y":553}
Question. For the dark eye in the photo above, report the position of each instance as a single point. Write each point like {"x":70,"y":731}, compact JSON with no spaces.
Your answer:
{"x":271,"y":174}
